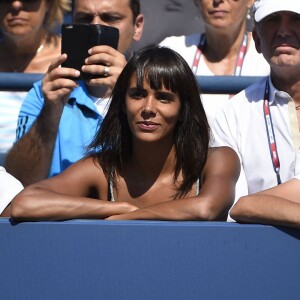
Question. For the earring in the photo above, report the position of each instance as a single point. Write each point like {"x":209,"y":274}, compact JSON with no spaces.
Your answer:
{"x":248,"y":14}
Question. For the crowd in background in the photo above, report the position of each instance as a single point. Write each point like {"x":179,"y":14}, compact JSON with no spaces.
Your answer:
{"x":63,"y":124}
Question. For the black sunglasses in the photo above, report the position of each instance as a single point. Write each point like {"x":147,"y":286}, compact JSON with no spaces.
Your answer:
{"x":26,"y":1}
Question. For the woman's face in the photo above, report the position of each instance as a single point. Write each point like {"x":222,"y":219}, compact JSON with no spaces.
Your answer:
{"x":19,"y":19}
{"x":224,"y":13}
{"x":152,"y":114}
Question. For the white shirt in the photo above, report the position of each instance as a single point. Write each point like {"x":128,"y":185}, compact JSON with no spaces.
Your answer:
{"x":241,"y":125}
{"x":9,"y":188}
{"x":10,"y":104}
{"x":102,"y":105}
{"x":254,"y":65}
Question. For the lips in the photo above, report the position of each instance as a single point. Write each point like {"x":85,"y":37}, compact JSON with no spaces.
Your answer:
{"x":17,"y":20}
{"x":147,"y":125}
{"x":284,"y":46}
{"x":218,"y":13}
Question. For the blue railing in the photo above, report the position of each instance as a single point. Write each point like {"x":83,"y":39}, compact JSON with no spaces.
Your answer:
{"x":208,"y":84}
{"x":18,"y":81}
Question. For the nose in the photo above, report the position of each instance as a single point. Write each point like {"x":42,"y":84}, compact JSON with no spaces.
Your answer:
{"x":217,"y":2}
{"x":284,"y":26}
{"x":17,"y":5}
{"x":97,"y":20}
{"x":149,"y":108}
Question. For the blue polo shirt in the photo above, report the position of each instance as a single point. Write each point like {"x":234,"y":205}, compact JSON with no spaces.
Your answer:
{"x":79,"y":122}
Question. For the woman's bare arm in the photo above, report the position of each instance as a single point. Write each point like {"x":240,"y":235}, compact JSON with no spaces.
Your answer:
{"x":214,"y":200}
{"x":276,"y":206}
{"x":67,"y":196}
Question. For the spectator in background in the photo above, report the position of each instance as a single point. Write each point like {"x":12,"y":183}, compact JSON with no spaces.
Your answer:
{"x":29,"y":42}
{"x":60,"y":115}
{"x":225,"y":48}
{"x":154,"y":160}
{"x":167,"y":18}
{"x":262,"y":122}
{"x":28,"y":45}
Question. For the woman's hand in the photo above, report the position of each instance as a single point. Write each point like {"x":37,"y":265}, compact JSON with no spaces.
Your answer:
{"x":127,"y":208}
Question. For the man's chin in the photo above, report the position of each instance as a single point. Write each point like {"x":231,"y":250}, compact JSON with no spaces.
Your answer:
{"x":285,"y":59}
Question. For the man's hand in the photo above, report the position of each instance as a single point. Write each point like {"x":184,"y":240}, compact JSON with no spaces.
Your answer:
{"x":57,"y":84}
{"x":100,"y":58}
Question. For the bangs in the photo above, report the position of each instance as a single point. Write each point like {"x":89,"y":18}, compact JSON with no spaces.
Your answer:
{"x":159,"y":74}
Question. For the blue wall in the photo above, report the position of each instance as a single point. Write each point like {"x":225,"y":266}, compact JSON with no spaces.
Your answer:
{"x":147,"y":260}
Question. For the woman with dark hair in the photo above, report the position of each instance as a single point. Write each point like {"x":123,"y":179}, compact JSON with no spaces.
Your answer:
{"x":150,"y":158}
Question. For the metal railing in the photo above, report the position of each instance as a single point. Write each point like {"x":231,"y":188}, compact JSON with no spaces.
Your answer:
{"x":208,"y":84}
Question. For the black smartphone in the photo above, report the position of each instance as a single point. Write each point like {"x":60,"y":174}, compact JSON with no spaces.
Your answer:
{"x":77,"y":39}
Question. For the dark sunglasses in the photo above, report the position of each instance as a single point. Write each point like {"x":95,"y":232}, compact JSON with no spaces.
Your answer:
{"x":26,"y":1}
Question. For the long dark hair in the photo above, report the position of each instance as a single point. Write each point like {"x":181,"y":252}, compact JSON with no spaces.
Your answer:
{"x":161,"y":66}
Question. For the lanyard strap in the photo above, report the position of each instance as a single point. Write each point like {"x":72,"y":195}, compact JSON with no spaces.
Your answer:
{"x":198,"y":53}
{"x":270,"y":133}
{"x":239,"y":59}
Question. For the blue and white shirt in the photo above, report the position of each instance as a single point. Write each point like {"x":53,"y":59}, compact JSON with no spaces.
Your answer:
{"x":79,"y":122}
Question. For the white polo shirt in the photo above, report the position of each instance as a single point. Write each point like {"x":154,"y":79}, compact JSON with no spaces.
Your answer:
{"x":297,"y":177}
{"x":241,"y":125}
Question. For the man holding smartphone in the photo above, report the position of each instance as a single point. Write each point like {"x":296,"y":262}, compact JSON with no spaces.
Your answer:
{"x":60,"y":114}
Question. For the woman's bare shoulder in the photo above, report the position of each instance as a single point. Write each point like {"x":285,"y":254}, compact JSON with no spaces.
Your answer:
{"x":222,"y":151}
{"x":88,"y":167}
{"x":222,"y":160}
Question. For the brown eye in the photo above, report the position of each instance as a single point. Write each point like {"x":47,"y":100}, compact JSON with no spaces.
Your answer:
{"x":137,"y":94}
{"x":83,"y":18}
{"x":164,"y":97}
{"x":110,"y":19}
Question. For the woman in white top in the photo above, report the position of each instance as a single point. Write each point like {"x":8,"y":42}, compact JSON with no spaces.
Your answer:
{"x":29,"y":44}
{"x":224,"y":49}
{"x":279,"y":205}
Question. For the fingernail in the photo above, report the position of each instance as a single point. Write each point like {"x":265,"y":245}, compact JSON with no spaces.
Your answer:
{"x":77,"y":73}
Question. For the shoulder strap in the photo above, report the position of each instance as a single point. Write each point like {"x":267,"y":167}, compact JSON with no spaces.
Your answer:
{"x":110,"y":191}
{"x":197,"y":186}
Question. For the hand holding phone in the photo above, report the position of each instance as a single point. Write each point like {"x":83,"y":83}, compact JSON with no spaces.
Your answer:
{"x":77,"y":39}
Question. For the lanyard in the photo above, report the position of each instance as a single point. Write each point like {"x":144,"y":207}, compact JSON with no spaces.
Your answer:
{"x":270,"y":133}
{"x":239,"y":59}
